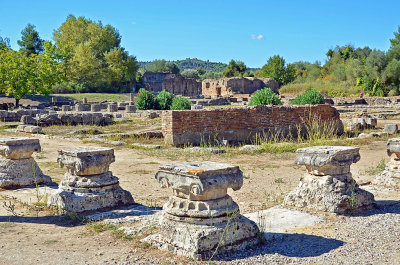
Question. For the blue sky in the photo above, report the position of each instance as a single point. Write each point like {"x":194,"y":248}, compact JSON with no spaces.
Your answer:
{"x":250,"y":31}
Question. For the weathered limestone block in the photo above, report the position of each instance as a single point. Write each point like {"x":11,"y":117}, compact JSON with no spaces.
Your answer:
{"x":130,"y":108}
{"x":390,"y":128}
{"x":95,"y":107}
{"x":65,"y":108}
{"x":88,"y":184}
{"x":17,"y":167}
{"x":363,"y":123}
{"x":27,"y":119}
{"x":201,"y":218}
{"x":328,"y":184}
{"x":390,"y":177}
{"x":112,"y":108}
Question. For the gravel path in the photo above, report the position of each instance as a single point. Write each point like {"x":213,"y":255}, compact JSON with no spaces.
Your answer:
{"x":372,"y":238}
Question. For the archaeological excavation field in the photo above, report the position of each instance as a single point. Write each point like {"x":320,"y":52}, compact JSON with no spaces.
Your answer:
{"x":99,"y":183}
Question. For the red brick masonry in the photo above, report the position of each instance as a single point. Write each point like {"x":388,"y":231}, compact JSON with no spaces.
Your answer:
{"x":193,"y":127}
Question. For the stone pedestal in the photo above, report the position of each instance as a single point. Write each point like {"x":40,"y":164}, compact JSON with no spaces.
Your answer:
{"x":328,"y":184}
{"x":390,"y":177}
{"x":65,"y":108}
{"x":17,"y":167}
{"x":201,"y":219}
{"x":88,"y":184}
{"x":84,"y":101}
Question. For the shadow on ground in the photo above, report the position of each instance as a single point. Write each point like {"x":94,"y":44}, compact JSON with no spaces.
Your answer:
{"x":73,"y":219}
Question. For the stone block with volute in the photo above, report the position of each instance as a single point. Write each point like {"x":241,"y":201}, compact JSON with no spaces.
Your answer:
{"x":88,"y":185}
{"x":328,"y":184}
{"x":201,"y":219}
{"x":390,"y":177}
{"x":17,"y":166}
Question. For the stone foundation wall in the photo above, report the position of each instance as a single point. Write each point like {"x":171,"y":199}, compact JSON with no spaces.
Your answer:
{"x":237,"y":85}
{"x":173,"y":83}
{"x":241,"y":125}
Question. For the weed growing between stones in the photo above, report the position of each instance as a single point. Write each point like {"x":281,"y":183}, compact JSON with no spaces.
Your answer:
{"x":375,"y":170}
{"x":10,"y":207}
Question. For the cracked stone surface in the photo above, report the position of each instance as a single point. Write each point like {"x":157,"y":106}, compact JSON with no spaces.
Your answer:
{"x":88,"y":185}
{"x":17,"y":167}
{"x":328,"y":184}
{"x":390,"y":177}
{"x":201,"y":219}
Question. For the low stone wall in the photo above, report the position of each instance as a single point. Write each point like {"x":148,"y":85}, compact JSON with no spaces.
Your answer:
{"x":15,"y":115}
{"x":241,"y":125}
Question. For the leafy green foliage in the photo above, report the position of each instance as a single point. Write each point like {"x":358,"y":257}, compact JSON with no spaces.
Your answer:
{"x":162,"y":66}
{"x":234,"y":68}
{"x":396,"y":40}
{"x":190,"y":73}
{"x":164,"y":100}
{"x":276,"y":68}
{"x":4,"y":43}
{"x":144,"y":100}
{"x":34,"y":74}
{"x":30,"y":42}
{"x":180,"y":103}
{"x":310,"y":96}
{"x":265,"y":96}
{"x":93,"y":59}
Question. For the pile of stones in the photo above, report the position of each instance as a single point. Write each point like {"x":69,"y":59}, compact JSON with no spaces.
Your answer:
{"x":17,"y":166}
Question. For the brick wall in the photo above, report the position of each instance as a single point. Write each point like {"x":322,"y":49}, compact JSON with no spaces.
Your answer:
{"x":240,"y":124}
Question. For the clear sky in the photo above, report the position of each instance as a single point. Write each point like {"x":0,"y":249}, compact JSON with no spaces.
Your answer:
{"x":219,"y":30}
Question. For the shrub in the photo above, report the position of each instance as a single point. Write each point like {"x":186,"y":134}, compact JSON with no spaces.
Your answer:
{"x":164,"y":100}
{"x":180,"y":103}
{"x":144,"y":100}
{"x":310,"y":96}
{"x":265,"y":96}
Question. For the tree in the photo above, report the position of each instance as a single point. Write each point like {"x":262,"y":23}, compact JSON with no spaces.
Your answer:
{"x":190,"y":73}
{"x":4,"y":43}
{"x":92,"y":56}
{"x":276,"y":69}
{"x":30,"y":42}
{"x":234,"y":68}
{"x":396,"y":40}
{"x":34,"y":74}
{"x":163,"y":66}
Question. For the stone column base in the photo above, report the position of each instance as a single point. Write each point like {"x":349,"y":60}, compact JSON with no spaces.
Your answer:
{"x":96,"y":201}
{"x":390,"y":177}
{"x":21,"y":172}
{"x":205,"y":241}
{"x":337,"y":193}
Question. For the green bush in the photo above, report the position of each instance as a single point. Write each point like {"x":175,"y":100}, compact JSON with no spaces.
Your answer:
{"x":265,"y":96}
{"x":310,"y":96}
{"x":180,"y":103}
{"x":144,"y":100}
{"x":164,"y":100}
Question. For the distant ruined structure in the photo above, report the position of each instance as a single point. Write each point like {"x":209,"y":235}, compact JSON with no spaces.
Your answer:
{"x":173,"y":83}
{"x":237,"y":85}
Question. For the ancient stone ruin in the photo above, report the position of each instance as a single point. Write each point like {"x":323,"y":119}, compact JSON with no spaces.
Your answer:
{"x":173,"y":83}
{"x":237,"y":85}
{"x":244,"y":125}
{"x":88,"y":184}
{"x":363,"y":121}
{"x":17,"y":167}
{"x":201,"y":219}
{"x":328,"y":184}
{"x":390,"y":177}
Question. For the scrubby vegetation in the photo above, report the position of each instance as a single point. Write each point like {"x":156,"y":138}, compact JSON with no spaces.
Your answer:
{"x":180,"y":103}
{"x":265,"y":96}
{"x":144,"y":100}
{"x":310,"y":96}
{"x":164,"y":100}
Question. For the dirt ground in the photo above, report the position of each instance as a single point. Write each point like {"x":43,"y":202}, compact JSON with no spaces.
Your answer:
{"x":34,"y":238}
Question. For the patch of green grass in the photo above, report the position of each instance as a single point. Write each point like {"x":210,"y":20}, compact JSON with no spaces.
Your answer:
{"x":51,"y":241}
{"x":328,"y":88}
{"x":375,"y":170}
{"x":278,"y":180}
{"x":96,"y":96}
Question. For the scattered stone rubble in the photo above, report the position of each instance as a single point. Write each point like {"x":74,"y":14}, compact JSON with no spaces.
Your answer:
{"x":17,"y":167}
{"x":68,"y":119}
{"x":363,"y":121}
{"x":201,"y":219}
{"x":390,"y":177}
{"x":328,"y":184}
{"x":88,"y":185}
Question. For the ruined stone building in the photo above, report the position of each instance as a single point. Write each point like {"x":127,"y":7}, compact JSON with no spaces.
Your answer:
{"x":237,"y":85}
{"x":173,"y":83}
